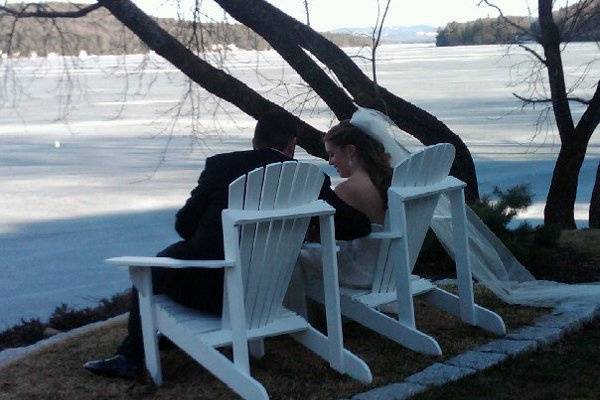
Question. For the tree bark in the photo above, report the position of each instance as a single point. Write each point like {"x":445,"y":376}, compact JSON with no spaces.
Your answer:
{"x":594,"y":218}
{"x":560,"y":203}
{"x":282,"y":31}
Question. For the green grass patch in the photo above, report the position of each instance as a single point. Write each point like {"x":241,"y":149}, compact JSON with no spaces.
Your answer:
{"x":565,"y":370}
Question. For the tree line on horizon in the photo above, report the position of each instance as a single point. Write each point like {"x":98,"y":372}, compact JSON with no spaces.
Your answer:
{"x":102,"y":34}
{"x":500,"y":31}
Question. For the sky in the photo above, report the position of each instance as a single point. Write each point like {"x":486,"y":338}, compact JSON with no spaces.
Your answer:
{"x":332,"y":14}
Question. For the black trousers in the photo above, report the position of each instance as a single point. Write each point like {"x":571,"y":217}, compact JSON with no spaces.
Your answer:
{"x":201,"y":289}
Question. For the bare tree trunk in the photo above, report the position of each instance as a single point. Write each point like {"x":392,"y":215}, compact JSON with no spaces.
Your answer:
{"x":594,"y":219}
{"x":560,"y":202}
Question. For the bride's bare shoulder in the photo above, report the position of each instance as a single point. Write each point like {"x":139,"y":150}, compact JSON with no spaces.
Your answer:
{"x":356,"y":190}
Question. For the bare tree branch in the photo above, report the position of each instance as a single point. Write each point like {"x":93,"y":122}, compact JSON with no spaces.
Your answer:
{"x":530,"y":100}
{"x":533,"y":52}
{"x":307,"y":12}
{"x":43,"y":11}
{"x":376,"y":39}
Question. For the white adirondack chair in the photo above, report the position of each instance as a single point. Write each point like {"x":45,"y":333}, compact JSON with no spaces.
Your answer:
{"x":417,"y":184}
{"x":263,"y":229}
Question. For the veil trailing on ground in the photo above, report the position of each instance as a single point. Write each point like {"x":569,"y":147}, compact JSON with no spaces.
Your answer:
{"x":492,"y":263}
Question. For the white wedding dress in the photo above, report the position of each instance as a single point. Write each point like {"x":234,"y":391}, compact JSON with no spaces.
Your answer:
{"x":357,"y":260}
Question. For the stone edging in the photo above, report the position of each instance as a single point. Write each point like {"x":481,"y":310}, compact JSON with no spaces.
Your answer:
{"x":8,"y":356}
{"x":565,"y":318}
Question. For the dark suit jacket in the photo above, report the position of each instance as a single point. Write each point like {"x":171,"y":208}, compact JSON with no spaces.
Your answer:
{"x":199,"y":221}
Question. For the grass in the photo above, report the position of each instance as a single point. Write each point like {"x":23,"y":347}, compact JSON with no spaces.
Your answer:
{"x":583,"y":241}
{"x":565,"y":370}
{"x":288,"y":370}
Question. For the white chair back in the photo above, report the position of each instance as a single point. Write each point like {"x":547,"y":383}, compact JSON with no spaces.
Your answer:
{"x":268,"y":250}
{"x":423,"y":168}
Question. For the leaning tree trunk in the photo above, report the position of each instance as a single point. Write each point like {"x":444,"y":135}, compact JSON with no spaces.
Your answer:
{"x":594,"y":219}
{"x":212,"y":79}
{"x":290,"y":38}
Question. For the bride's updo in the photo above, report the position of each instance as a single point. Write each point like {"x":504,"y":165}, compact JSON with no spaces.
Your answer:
{"x":370,"y":152}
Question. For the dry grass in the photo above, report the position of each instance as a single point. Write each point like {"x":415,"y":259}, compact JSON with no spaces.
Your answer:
{"x":288,"y":370}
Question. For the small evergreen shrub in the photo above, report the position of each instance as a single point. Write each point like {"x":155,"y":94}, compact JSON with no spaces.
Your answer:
{"x":26,"y":333}
{"x":63,"y":318}
{"x":530,"y":245}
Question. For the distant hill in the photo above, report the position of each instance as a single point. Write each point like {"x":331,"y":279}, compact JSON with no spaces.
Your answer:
{"x":100,"y":33}
{"x":497,"y":31}
{"x":397,"y":34}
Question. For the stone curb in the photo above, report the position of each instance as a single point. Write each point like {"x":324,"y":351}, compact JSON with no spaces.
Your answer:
{"x":9,"y":356}
{"x":565,"y":318}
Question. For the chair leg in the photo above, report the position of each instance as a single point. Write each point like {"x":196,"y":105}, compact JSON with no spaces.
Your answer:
{"x":142,"y":279}
{"x":391,"y":328}
{"x":461,"y":256}
{"x":257,"y":348}
{"x":404,"y":298}
{"x":318,"y":343}
{"x":484,"y":318}
{"x":217,"y":364}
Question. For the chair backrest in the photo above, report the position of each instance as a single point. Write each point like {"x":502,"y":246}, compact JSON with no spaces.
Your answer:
{"x":423,"y":168}
{"x":268,"y":250}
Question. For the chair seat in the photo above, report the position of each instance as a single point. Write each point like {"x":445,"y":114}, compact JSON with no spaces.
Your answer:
{"x":208,"y":328}
{"x":418,"y":286}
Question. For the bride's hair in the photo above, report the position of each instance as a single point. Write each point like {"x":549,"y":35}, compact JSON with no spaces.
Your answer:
{"x":371,"y":152}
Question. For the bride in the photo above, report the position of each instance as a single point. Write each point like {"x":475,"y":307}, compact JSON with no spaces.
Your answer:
{"x":361,"y":159}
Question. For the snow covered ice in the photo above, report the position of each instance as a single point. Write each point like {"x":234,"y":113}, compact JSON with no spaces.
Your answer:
{"x":108,"y":179}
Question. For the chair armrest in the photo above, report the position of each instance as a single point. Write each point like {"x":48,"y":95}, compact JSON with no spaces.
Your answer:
{"x":384,"y":235}
{"x":313,"y":209}
{"x":167,"y":262}
{"x":411,"y":193}
{"x":313,"y":245}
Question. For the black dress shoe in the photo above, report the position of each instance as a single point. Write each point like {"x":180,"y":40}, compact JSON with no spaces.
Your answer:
{"x":117,"y":366}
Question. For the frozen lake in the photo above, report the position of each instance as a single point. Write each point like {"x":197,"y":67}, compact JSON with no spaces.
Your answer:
{"x":105,"y":177}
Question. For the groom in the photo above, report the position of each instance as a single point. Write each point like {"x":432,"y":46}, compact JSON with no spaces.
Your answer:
{"x":199,"y":225}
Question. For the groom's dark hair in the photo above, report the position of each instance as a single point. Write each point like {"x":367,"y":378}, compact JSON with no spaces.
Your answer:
{"x":275,"y":129}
